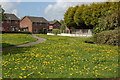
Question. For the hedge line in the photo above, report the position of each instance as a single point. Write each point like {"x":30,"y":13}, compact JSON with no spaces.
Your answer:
{"x":15,"y":32}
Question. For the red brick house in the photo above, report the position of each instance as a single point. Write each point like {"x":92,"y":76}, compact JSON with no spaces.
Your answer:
{"x":11,"y":23}
{"x":54,"y":25}
{"x":34,"y":24}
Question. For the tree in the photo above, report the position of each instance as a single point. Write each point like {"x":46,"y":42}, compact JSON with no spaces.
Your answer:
{"x":66,"y":16}
{"x":91,"y":14}
{"x":78,"y":16}
{"x":62,"y":21}
{"x":55,"y":20}
{"x":63,"y":25}
{"x":88,"y":16}
{"x":69,"y":17}
{"x":2,"y":16}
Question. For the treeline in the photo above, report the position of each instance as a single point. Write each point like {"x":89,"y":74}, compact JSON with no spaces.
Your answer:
{"x":89,"y":16}
{"x":103,"y":18}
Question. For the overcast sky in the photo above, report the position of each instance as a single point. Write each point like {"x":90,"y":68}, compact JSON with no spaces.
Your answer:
{"x":50,"y":9}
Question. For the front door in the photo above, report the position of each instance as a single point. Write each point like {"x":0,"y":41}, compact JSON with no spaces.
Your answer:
{"x":44,"y":31}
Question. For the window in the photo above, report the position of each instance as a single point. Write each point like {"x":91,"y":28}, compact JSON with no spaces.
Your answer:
{"x":35,"y":30}
{"x":55,"y":25}
{"x":4,"y":22}
{"x":8,"y":21}
{"x":16,"y":22}
{"x":34,"y":23}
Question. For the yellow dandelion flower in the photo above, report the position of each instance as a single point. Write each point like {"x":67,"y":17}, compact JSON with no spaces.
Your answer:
{"x":24,"y":76}
{"x":20,"y":76}
{"x":23,"y":69}
{"x":28,"y":74}
{"x":110,"y":69}
{"x":96,"y":70}
{"x":37,"y":55}
{"x":38,"y":72}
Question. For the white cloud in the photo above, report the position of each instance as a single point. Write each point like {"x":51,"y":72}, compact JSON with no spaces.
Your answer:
{"x":15,"y":11}
{"x":10,"y":7}
{"x":56,"y":11}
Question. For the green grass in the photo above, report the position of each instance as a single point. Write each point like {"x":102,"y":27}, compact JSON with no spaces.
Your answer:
{"x":16,"y":39}
{"x":61,"y":57}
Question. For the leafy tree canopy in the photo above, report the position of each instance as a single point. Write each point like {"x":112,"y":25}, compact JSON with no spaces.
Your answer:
{"x":2,"y":16}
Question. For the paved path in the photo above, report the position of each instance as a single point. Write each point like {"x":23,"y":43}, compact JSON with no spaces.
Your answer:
{"x":40,"y":40}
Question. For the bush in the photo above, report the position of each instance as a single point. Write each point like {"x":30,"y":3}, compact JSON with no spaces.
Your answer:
{"x":107,"y":23}
{"x":55,"y":31}
{"x":41,"y":31}
{"x":107,"y":37}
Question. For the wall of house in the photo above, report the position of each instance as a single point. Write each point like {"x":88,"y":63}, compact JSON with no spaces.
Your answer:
{"x":8,"y":25}
{"x":26,"y":23}
{"x":33,"y":26}
{"x":36,"y":27}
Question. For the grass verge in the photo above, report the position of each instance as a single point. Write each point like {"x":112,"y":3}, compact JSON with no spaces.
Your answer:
{"x":61,"y":57}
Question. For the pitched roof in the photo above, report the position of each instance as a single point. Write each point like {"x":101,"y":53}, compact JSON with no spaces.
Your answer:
{"x":11,"y":17}
{"x":52,"y":22}
{"x":37,"y":19}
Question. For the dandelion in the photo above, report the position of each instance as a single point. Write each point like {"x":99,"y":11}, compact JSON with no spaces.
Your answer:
{"x":110,"y":69}
{"x":84,"y":67}
{"x":24,"y":76}
{"x":20,"y":76}
{"x":23,"y":69}
{"x":96,"y":70}
{"x":37,"y":55}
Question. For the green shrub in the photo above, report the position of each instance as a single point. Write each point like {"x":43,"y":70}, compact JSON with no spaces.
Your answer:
{"x":55,"y":31}
{"x":107,"y":23}
{"x":107,"y":37}
{"x":41,"y":31}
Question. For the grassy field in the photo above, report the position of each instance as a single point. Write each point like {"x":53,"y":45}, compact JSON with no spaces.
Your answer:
{"x":16,"y":39}
{"x":61,"y":57}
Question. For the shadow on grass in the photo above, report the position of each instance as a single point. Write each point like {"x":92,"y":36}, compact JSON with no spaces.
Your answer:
{"x":16,"y":50}
{"x":4,"y":45}
{"x":90,"y":42}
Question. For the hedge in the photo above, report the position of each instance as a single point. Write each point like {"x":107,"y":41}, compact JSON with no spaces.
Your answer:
{"x":110,"y":37}
{"x":15,"y":32}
